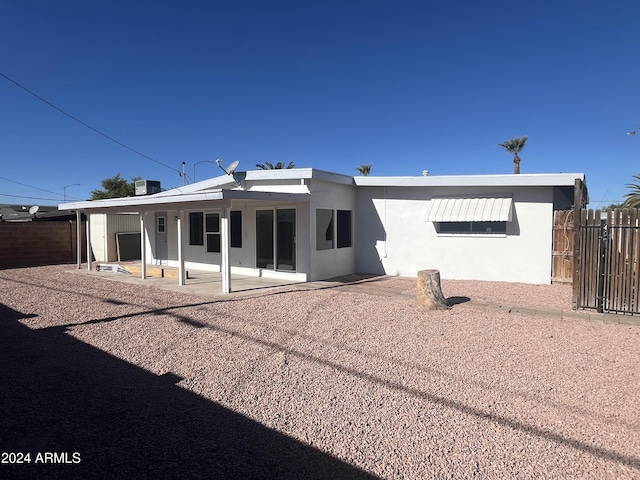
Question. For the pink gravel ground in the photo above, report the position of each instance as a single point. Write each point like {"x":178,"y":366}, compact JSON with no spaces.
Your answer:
{"x":372,"y":381}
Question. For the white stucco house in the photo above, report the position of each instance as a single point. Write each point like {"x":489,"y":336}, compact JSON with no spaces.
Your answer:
{"x":307,"y":224}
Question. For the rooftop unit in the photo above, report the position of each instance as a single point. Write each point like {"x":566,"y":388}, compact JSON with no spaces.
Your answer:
{"x":147,"y":187}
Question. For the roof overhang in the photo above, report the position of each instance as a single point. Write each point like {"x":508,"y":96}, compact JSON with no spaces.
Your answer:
{"x":470,"y":210}
{"x":180,"y":201}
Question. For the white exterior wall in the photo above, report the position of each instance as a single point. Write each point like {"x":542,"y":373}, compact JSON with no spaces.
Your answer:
{"x":103,"y":233}
{"x":243,"y":260}
{"x":394,"y":238}
{"x":336,"y":261}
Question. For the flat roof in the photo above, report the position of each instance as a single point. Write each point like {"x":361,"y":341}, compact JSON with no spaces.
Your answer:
{"x":214,"y":189}
{"x":508,"y":180}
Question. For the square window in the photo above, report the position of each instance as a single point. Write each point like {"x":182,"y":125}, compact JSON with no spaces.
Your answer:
{"x":213,"y":242}
{"x":213,"y":223}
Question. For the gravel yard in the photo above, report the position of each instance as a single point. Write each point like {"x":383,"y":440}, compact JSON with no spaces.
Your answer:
{"x":298,"y":383}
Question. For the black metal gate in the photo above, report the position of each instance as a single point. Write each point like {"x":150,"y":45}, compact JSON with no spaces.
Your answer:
{"x":609,"y":262}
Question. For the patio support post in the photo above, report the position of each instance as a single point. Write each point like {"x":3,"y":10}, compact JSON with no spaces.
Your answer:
{"x":181,"y":273}
{"x":78,"y":240}
{"x":143,"y":249}
{"x":224,"y":247}
{"x":88,"y":231}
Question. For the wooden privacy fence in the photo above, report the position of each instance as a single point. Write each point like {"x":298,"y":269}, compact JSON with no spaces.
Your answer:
{"x":608,"y":267}
{"x":563,"y":245}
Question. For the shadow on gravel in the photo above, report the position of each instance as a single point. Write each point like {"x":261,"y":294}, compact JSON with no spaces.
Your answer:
{"x":79,"y":404}
{"x":457,"y":300}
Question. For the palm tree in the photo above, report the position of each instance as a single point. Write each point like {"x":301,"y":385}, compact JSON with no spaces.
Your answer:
{"x":633,"y":197}
{"x":515,"y":145}
{"x":364,"y":169}
{"x":277,"y":166}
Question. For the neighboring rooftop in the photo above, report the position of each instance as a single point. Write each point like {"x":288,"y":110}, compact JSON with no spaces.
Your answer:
{"x":20,"y":213}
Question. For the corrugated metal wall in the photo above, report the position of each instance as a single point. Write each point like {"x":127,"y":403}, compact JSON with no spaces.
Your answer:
{"x":103,"y":233}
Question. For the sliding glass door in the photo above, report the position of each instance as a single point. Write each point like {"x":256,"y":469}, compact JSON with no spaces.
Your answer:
{"x":286,"y":240}
{"x":264,"y":239}
{"x":276,"y":239}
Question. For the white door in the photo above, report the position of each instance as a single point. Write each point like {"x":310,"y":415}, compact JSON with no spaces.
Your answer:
{"x":161,"y":239}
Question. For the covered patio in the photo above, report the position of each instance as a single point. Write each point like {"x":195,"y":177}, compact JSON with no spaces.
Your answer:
{"x":183,"y":202}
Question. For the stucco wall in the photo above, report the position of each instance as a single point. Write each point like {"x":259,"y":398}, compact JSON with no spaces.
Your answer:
{"x":393,"y":236}
{"x":243,"y":260}
{"x":336,"y":261}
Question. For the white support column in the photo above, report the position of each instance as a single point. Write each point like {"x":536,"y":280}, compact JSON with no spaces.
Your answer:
{"x":143,"y":248}
{"x":88,"y":229}
{"x":181,"y":271}
{"x":78,"y":239}
{"x":224,"y":250}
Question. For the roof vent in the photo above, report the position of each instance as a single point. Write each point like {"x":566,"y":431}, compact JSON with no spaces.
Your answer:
{"x":147,"y":187}
{"x":425,"y":173}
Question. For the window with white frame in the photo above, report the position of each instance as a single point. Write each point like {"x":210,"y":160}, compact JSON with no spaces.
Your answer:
{"x":471,"y":227}
{"x":471,"y":215}
{"x":212,"y":232}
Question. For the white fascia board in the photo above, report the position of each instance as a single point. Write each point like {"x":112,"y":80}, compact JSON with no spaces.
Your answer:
{"x":279,"y":174}
{"x":298,"y":174}
{"x":278,"y":188}
{"x":510,"y":180}
{"x":266,"y":196}
{"x":143,"y":203}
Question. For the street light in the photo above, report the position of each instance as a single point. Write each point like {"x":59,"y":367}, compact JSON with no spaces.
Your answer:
{"x":194,"y":167}
{"x":65,"y":189}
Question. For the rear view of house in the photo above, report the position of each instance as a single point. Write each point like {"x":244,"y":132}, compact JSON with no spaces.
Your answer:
{"x":309,"y":224}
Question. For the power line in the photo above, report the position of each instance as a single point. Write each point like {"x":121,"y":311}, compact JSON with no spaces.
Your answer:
{"x":86,"y":124}
{"x":35,"y":188}
{"x":31,"y":198}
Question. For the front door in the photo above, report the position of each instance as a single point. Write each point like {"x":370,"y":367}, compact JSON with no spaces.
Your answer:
{"x":161,"y":239}
{"x":276,"y":239}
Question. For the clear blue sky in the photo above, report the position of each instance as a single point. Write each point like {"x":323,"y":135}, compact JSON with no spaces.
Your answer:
{"x":405,"y":86}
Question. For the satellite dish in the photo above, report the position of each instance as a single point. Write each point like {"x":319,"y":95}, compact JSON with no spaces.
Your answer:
{"x":33,"y":210}
{"x":232,"y":168}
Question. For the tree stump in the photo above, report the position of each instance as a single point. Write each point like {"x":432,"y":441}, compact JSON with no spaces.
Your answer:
{"x":429,"y":293}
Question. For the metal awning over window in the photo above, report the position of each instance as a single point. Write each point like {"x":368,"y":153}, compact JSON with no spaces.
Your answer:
{"x":469,"y":210}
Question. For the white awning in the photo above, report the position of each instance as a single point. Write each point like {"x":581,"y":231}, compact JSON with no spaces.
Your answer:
{"x":469,"y":210}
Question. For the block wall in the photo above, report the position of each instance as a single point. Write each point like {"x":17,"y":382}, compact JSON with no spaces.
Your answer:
{"x":39,"y":243}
